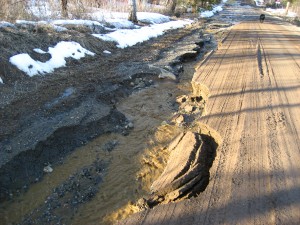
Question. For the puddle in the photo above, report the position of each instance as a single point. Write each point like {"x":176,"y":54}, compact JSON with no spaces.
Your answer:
{"x":122,"y":183}
{"x":133,"y":160}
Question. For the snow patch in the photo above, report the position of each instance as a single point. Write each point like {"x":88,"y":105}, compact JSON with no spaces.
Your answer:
{"x":40,"y":51}
{"x":207,"y":14}
{"x":59,"y":28}
{"x":126,"y":37}
{"x":76,"y":22}
{"x":281,"y":12}
{"x":121,"y":23}
{"x":152,"y":18}
{"x":6,"y":24}
{"x":106,"y":52}
{"x":58,"y":54}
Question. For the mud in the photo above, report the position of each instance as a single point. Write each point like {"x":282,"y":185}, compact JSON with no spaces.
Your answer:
{"x":62,"y":204}
{"x":187,"y":171}
{"x":55,"y":121}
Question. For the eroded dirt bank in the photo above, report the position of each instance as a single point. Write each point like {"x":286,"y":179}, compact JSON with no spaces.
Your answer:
{"x":252,"y":81}
{"x":73,"y":142}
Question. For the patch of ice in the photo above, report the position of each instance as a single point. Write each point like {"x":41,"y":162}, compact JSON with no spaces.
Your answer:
{"x":58,"y":54}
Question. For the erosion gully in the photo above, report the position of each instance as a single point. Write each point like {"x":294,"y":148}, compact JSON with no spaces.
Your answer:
{"x":127,"y":164}
{"x":147,"y":109}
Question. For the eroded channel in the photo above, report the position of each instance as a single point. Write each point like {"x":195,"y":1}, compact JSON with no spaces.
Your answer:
{"x":102,"y":180}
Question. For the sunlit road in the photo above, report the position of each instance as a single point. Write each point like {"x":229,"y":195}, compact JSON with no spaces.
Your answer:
{"x":253,"y":83}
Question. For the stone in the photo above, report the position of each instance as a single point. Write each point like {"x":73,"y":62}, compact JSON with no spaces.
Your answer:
{"x":48,"y":169}
{"x":179,"y":119}
{"x":189,"y":108}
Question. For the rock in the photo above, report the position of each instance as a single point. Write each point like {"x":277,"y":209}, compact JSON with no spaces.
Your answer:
{"x":190,"y":104}
{"x":48,"y":169}
{"x":164,"y":123}
{"x":178,"y":119}
{"x":189,"y":108}
{"x":130,"y":125}
{"x":142,"y":204}
{"x":163,"y":73}
{"x":207,"y":37}
{"x":109,"y":146}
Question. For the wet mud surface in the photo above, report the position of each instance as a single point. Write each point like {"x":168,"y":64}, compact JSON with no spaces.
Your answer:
{"x":67,"y":136}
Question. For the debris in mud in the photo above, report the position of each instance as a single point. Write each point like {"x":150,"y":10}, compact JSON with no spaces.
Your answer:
{"x":190,"y":104}
{"x":48,"y":169}
{"x":163,"y":73}
{"x":63,"y":203}
{"x":65,"y":139}
{"x":109,"y":146}
{"x":187,"y":170}
{"x":189,"y":108}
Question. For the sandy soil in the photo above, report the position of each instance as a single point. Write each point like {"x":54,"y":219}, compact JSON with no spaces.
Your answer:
{"x":252,"y":86}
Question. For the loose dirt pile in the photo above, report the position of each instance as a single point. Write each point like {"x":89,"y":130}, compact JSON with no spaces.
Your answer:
{"x":187,"y":170}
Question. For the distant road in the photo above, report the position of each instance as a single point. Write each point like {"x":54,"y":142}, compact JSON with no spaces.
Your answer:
{"x":254,"y":105}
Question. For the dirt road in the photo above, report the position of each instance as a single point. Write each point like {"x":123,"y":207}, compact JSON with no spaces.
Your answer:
{"x":252,"y":88}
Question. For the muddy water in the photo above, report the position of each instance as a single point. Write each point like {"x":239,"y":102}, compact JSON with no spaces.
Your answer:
{"x":129,"y":172}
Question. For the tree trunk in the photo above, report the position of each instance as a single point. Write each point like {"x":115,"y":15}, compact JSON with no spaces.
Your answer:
{"x":171,"y":4}
{"x":64,"y":8}
{"x":132,"y":15}
{"x":287,"y":8}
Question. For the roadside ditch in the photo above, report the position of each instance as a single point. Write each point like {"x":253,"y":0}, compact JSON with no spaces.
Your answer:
{"x":101,"y":164}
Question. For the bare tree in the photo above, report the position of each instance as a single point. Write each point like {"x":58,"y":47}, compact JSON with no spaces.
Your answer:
{"x":64,"y":8}
{"x":132,"y":15}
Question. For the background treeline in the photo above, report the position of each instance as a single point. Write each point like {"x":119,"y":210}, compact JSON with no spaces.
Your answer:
{"x":10,"y":10}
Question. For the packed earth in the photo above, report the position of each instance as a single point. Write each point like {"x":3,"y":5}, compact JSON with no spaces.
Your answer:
{"x":168,"y":121}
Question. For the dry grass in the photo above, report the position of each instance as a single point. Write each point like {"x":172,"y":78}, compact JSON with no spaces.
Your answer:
{"x":11,"y":10}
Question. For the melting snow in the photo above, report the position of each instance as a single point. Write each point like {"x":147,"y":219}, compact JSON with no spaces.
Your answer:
{"x":58,"y":54}
{"x":126,"y":37}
